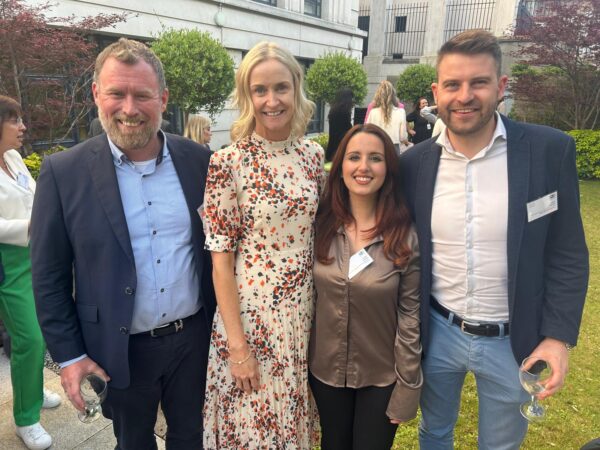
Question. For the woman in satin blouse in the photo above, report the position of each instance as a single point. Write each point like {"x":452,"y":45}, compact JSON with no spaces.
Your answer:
{"x":365,"y":352}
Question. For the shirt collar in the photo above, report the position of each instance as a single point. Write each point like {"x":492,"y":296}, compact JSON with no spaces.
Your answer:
{"x":119,"y":157}
{"x":499,"y":133}
{"x":341,"y":231}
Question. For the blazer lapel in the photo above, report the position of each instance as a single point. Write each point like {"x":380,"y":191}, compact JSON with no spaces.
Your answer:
{"x":103,"y":176}
{"x":518,"y":161}
{"x":426,"y":176}
{"x":430,"y":160}
{"x":192,"y":182}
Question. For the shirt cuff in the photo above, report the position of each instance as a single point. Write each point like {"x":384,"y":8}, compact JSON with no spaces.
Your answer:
{"x":62,"y":365}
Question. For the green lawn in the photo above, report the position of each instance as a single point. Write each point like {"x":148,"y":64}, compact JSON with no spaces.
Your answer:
{"x":573,"y":413}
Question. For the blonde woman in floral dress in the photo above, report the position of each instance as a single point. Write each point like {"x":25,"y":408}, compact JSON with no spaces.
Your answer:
{"x":259,"y":206}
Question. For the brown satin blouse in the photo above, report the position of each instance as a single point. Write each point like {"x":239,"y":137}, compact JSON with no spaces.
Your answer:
{"x":366,"y":329}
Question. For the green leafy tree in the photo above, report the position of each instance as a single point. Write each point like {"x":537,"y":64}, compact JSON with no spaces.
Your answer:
{"x":333,"y":72}
{"x":415,"y":82}
{"x":198,"y":69}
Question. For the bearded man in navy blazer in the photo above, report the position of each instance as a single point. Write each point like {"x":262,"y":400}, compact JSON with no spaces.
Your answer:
{"x":504,"y":264}
{"x":121,"y":279}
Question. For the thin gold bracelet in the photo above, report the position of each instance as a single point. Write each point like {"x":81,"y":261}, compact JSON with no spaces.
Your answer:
{"x":242,"y":361}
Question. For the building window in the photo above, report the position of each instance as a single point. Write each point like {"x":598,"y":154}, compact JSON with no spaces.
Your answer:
{"x":267,"y":2}
{"x":364,"y":19}
{"x":312,"y":8}
{"x":400,"y":24}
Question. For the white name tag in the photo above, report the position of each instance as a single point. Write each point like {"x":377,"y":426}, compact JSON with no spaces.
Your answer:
{"x":542,"y":206}
{"x":358,"y":262}
{"x":429,"y":126}
{"x":22,"y":180}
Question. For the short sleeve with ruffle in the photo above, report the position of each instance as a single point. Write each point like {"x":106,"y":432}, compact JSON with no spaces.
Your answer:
{"x":221,"y":215}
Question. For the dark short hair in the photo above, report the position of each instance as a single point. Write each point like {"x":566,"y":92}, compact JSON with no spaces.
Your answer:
{"x":9,"y":109}
{"x":131,"y":52}
{"x":472,"y":42}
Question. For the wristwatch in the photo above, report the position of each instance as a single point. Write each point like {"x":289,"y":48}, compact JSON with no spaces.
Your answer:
{"x":569,"y":346}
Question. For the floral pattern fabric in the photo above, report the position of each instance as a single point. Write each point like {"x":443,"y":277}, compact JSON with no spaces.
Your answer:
{"x":260,"y":201}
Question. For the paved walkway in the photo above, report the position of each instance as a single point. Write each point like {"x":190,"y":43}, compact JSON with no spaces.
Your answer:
{"x":66,"y":430}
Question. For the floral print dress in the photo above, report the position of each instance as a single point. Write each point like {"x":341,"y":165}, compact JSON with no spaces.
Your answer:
{"x":260,"y":201}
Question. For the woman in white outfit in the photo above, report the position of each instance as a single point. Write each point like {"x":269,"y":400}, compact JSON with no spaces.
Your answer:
{"x":386,"y":115}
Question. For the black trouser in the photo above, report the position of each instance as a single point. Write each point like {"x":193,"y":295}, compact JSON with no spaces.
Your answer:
{"x":353,"y":419}
{"x":170,"y":370}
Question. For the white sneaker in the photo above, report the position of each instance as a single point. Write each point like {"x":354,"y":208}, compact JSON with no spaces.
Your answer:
{"x":51,"y":399}
{"x":35,"y":437}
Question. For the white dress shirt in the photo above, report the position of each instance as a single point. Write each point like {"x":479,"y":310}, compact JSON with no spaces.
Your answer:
{"x":16,"y":201}
{"x":469,"y":228}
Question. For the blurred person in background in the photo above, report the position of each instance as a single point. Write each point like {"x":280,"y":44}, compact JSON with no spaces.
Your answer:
{"x":17,"y":305}
{"x":340,"y":120}
{"x":422,"y":125}
{"x":385,"y":114}
{"x":198,"y":129}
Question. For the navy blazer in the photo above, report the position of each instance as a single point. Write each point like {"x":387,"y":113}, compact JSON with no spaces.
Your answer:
{"x":548,"y":261}
{"x":83,"y":268}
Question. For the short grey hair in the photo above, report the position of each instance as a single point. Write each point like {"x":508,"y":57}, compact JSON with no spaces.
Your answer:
{"x":130,"y":52}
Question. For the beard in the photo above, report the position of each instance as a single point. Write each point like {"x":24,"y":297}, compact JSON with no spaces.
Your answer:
{"x":132,"y":140}
{"x":486,"y":113}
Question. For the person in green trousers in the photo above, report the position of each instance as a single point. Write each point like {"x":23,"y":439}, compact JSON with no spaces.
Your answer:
{"x":17,"y":306}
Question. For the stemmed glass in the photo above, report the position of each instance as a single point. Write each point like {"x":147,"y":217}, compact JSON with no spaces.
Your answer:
{"x":93,"y":389}
{"x":533,"y":381}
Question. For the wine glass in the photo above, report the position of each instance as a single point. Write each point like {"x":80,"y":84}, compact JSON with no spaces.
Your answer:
{"x":93,"y":389}
{"x":533,"y":381}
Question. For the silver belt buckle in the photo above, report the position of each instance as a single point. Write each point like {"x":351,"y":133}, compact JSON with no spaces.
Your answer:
{"x":178,"y":325}
{"x":462,"y":326}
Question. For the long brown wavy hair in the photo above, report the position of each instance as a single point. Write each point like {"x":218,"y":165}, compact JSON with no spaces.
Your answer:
{"x":393,"y":220}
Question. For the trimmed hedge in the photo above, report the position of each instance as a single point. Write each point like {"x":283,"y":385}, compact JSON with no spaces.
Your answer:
{"x":34,"y":161}
{"x":321,"y":139}
{"x":588,"y":153}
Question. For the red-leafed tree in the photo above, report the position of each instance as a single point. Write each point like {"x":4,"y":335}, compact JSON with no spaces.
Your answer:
{"x":46,"y":64}
{"x":558,"y":76}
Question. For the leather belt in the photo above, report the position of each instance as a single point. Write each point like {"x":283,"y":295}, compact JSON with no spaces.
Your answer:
{"x":468,"y":327}
{"x":168,"y":328}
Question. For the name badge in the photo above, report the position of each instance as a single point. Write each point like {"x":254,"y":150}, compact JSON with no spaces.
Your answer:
{"x":22,"y":180}
{"x":542,"y":206}
{"x":429,"y":126}
{"x":358,"y":262}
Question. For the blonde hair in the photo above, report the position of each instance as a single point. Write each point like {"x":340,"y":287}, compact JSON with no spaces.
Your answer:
{"x":195,"y":127}
{"x":244,"y":125}
{"x":384,"y":98}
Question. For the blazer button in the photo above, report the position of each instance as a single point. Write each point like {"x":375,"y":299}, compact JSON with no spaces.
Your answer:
{"x":124,"y":330}
{"x":129,"y":290}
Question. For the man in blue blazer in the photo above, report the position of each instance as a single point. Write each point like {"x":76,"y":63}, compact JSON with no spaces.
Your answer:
{"x":122,"y":282}
{"x":504,"y":264}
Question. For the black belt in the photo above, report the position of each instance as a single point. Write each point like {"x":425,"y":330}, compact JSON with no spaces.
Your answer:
{"x":475,"y":328}
{"x":168,"y":328}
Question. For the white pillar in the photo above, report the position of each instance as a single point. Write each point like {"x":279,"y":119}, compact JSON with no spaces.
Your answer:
{"x":374,"y":60}
{"x":434,"y":38}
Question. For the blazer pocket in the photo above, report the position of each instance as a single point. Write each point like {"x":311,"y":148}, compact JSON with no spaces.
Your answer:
{"x":88,"y":313}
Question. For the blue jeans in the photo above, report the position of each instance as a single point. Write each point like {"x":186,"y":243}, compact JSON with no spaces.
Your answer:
{"x":451,"y":354}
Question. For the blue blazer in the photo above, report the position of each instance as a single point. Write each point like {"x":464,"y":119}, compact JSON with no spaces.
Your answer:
{"x":548,"y":263}
{"x":83,"y":268}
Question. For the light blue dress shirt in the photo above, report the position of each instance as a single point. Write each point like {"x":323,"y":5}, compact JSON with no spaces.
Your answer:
{"x":160,"y":231}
